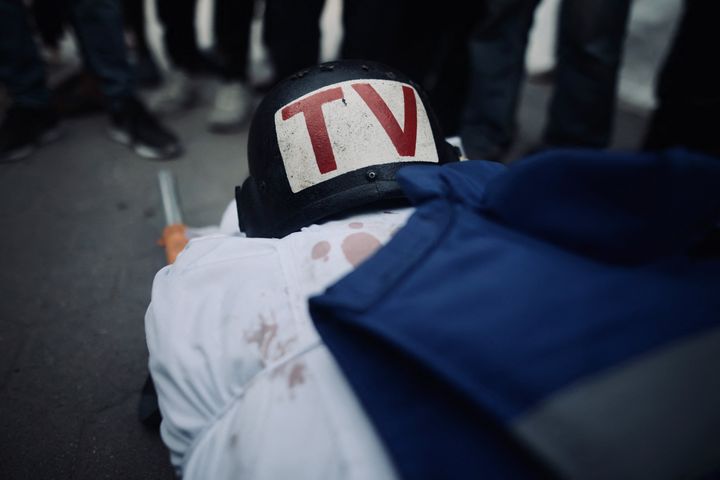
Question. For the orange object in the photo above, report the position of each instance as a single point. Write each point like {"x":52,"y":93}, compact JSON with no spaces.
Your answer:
{"x":174,"y":239}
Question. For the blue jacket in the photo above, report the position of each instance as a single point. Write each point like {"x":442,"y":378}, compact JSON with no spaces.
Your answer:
{"x":557,"y":317}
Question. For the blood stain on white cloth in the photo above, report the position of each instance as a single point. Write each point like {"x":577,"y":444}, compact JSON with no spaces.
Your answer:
{"x":356,"y":225}
{"x":263,"y":335}
{"x":297,"y":375}
{"x":358,"y":246}
{"x":282,"y":348}
{"x":321,"y":250}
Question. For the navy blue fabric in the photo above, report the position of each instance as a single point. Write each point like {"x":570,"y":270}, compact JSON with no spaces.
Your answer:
{"x":508,"y":285}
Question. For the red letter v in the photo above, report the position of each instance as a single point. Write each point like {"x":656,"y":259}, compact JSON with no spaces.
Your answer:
{"x":403,"y":139}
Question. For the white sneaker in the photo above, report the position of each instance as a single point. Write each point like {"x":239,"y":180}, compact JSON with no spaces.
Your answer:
{"x":232,"y":106}
{"x":179,"y":92}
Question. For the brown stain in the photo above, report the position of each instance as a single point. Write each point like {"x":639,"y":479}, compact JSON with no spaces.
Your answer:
{"x":359,"y":246}
{"x":278,"y":371}
{"x":262,"y":336}
{"x":282,"y":348}
{"x":297,"y":375}
{"x":356,"y":225}
{"x":320,"y":250}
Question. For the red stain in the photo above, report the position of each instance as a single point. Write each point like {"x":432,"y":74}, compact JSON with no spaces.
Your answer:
{"x":281,"y":348}
{"x":297,"y":375}
{"x":320,"y":250}
{"x":358,"y":246}
{"x":404,"y":139}
{"x":263,"y":337}
{"x":356,"y":225}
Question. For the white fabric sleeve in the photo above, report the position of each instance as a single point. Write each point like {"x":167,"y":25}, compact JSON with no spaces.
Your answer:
{"x":229,"y":224}
{"x":196,"y":333}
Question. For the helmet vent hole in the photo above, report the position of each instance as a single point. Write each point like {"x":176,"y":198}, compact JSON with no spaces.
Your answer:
{"x":371,"y":175}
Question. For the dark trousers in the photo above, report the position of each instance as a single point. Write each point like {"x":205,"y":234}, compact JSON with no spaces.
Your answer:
{"x":134,"y":14}
{"x":232,"y":34}
{"x":49,"y":17}
{"x":292,"y":34}
{"x":589,"y":50}
{"x":424,"y":39}
{"x":421,"y":39}
{"x":98,"y":26}
{"x":688,"y":87}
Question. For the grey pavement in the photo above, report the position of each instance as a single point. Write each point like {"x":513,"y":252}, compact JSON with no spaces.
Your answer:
{"x":78,"y":253}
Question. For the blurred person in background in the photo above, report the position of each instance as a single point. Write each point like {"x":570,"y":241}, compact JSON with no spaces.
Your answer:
{"x":687,"y":86}
{"x":31,"y":121}
{"x":427,"y":43}
{"x":146,"y":70}
{"x":291,"y":32}
{"x":48,"y":18}
{"x":232,"y":20}
{"x":589,"y":49}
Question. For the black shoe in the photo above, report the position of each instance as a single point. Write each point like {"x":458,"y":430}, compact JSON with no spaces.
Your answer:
{"x":132,"y":125}
{"x":24,"y":129}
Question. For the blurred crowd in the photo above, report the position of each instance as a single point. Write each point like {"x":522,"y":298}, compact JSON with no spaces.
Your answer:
{"x":468,"y":56}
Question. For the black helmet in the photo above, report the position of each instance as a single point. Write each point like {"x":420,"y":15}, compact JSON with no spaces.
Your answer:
{"x":329,"y":139}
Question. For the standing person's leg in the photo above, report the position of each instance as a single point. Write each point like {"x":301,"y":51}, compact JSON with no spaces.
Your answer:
{"x":179,"y":90}
{"x":29,"y":121}
{"x":179,"y":34}
{"x":50,"y":21}
{"x":497,"y":68}
{"x":424,"y":40}
{"x":146,"y":70}
{"x":233,"y":100}
{"x":21,"y":69}
{"x":292,"y":34}
{"x":589,"y":50}
{"x":134,"y":15}
{"x":99,"y":28}
{"x":232,"y":35}
{"x":687,"y":85}
{"x":384,"y":31}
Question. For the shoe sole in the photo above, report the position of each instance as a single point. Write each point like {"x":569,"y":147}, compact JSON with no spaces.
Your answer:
{"x":19,"y":154}
{"x":140,"y":149}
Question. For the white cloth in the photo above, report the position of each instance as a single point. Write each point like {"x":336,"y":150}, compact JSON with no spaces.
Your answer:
{"x":245,"y":386}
